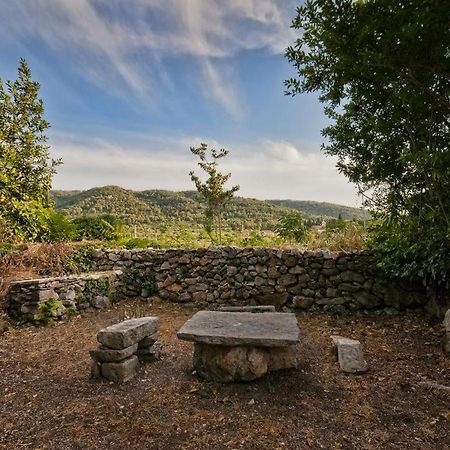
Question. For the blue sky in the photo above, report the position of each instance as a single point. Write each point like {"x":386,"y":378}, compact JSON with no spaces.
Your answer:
{"x":129,"y":86}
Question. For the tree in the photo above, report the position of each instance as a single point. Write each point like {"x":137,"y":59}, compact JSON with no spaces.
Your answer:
{"x":382,"y":70}
{"x":26,"y":169}
{"x":291,"y":226}
{"x":213,"y":189}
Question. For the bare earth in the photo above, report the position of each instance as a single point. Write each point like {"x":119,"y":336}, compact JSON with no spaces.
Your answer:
{"x":49,"y":402}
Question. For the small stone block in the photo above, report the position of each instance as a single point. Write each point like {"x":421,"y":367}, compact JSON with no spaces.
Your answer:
{"x":447,"y":321}
{"x":101,"y":301}
{"x":446,"y":343}
{"x":128,"y":332}
{"x":149,"y":340}
{"x":119,"y":372}
{"x":95,"y":370}
{"x":150,"y":354}
{"x":105,"y":354}
{"x":350,"y":355}
{"x":252,"y":309}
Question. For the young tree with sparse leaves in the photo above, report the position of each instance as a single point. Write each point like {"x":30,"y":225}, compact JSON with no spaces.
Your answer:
{"x":26,"y":169}
{"x":382,"y":69}
{"x":292,"y":227}
{"x":213,"y":189}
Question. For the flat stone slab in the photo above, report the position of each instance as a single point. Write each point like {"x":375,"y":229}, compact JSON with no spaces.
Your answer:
{"x":253,"y":309}
{"x":128,"y":332}
{"x":270,"y":329}
{"x":349,"y":354}
{"x":104,"y":354}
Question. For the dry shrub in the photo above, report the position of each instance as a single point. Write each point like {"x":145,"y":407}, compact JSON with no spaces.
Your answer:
{"x":352,"y":237}
{"x":27,"y":261}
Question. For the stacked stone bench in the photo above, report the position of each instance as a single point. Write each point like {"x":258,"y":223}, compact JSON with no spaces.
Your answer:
{"x":123,"y":346}
{"x":241,"y":346}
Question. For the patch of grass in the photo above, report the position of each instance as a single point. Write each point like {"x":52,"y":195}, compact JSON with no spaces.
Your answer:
{"x":47,"y":311}
{"x":71,"y":311}
{"x":149,"y":284}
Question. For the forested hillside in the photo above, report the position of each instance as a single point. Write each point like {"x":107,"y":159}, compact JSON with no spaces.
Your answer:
{"x":324,"y":209}
{"x":160,"y":209}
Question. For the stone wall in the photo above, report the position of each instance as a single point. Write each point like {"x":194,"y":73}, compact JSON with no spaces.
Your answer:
{"x":288,"y":279}
{"x":43,"y":300}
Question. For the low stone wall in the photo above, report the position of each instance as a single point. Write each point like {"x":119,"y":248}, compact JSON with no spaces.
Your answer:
{"x":43,"y":300}
{"x":288,"y":279}
{"x":223,"y":276}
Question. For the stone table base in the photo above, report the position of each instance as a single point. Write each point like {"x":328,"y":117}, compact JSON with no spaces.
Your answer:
{"x":241,"y":363}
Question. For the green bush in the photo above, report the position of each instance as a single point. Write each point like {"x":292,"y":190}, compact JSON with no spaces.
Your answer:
{"x":104,"y":227}
{"x":413,"y":251}
{"x":137,"y":242}
{"x":57,"y":228}
{"x":291,"y":226}
{"x":80,"y":260}
{"x":335,"y":225}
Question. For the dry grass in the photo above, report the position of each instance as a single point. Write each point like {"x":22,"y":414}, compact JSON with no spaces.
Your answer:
{"x":32,"y":261}
{"x":351,"y":237}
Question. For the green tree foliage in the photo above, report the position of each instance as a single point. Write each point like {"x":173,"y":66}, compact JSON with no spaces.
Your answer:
{"x":382,"y":70}
{"x":26,"y":169}
{"x":292,"y":227}
{"x":100,"y":227}
{"x":56,"y":227}
{"x":213,"y":189}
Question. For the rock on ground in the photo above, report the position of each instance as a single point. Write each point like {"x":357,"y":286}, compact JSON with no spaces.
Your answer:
{"x":349,"y":354}
{"x":224,"y":364}
{"x":241,"y":363}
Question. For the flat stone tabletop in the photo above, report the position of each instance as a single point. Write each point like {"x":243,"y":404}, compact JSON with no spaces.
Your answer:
{"x":271,"y":329}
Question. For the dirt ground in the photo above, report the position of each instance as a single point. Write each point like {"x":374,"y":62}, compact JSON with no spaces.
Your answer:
{"x":48,"y":400}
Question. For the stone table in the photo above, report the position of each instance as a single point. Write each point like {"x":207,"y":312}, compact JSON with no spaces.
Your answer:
{"x":241,"y":346}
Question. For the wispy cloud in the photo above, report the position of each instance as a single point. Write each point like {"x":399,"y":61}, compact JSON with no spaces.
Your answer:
{"x":120,"y":45}
{"x":266,"y":169}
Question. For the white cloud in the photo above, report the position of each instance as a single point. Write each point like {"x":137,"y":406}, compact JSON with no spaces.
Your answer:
{"x":119,"y":44}
{"x":222,"y":88}
{"x":265,"y":169}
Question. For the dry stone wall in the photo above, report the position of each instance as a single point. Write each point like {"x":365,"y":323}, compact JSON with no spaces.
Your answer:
{"x":288,"y":279}
{"x":42,"y":300}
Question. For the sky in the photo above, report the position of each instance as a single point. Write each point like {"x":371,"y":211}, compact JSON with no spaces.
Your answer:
{"x":129,"y":86}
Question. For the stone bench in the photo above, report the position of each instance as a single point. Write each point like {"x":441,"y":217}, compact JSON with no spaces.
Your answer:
{"x":123,"y":345}
{"x":241,"y":346}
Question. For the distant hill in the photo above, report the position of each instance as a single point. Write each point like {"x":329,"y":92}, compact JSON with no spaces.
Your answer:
{"x":160,"y":209}
{"x":323,"y":209}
